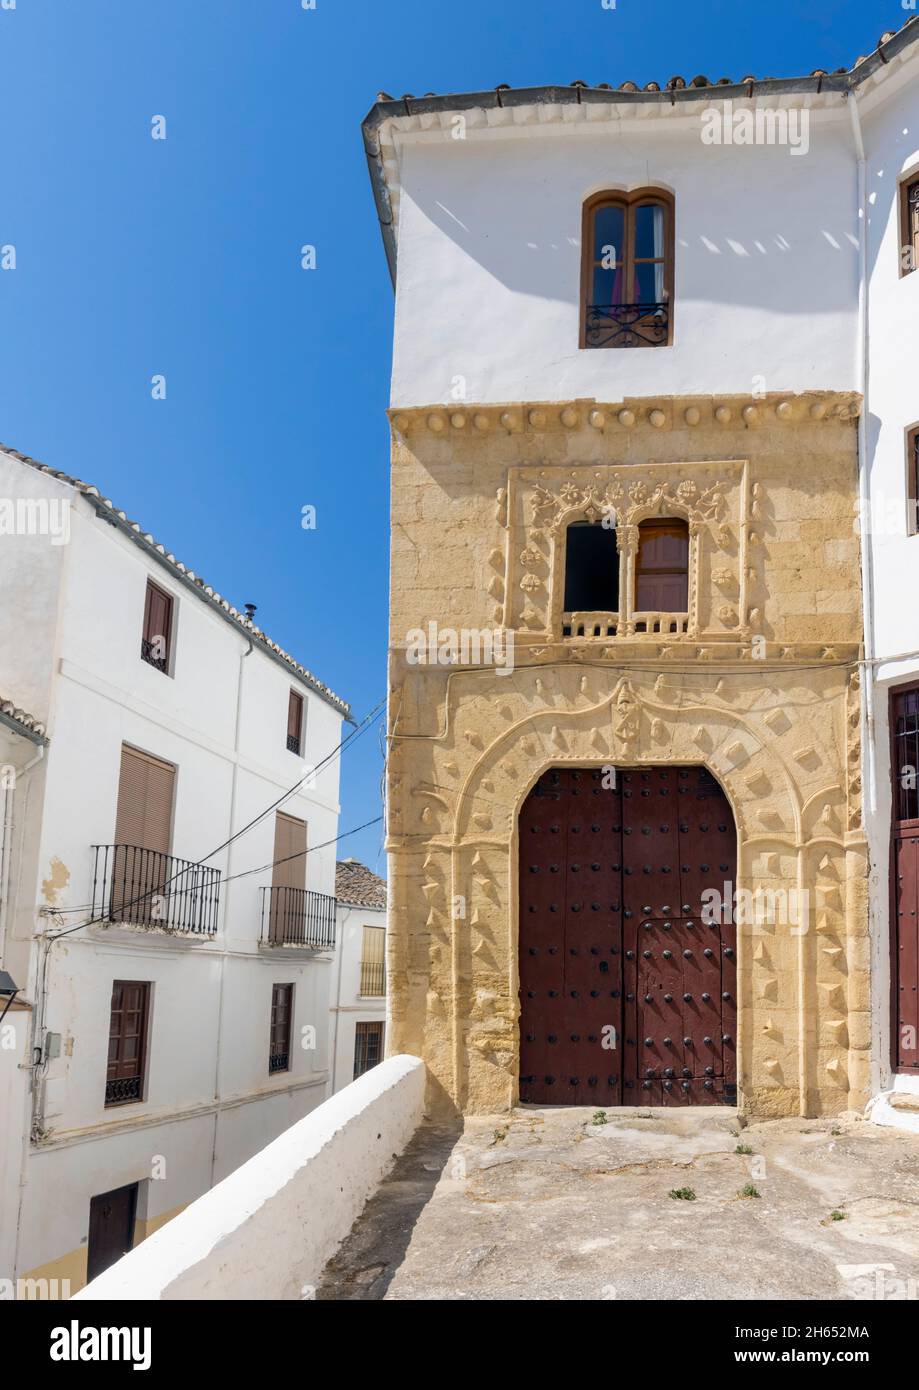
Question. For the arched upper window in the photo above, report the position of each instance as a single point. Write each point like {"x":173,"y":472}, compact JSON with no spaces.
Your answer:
{"x":627,"y":270}
{"x":662,"y":567}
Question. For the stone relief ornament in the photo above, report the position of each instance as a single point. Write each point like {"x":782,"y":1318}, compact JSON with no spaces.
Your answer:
{"x":709,"y":504}
{"x":626,"y":716}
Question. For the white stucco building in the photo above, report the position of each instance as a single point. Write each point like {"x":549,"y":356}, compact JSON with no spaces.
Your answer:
{"x":792,"y":269}
{"x":167,"y":880}
{"x":358,"y":1007}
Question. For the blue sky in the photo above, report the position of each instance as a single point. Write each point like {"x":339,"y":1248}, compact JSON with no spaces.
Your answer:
{"x":181,"y":257}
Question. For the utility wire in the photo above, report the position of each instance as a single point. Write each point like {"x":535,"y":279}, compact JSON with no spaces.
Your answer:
{"x":301,"y":853}
{"x":354,"y":734}
{"x":243,"y":873}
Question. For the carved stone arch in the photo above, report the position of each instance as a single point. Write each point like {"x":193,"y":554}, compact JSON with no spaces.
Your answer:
{"x":777,"y":774}
{"x":513,"y":760}
{"x":615,"y":730}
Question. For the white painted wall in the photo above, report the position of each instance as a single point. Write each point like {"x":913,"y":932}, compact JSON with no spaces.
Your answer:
{"x":349,"y":1006}
{"x":32,"y":568}
{"x":489,"y":261}
{"x":209,"y":1103}
{"x":891,"y":137}
{"x":268,"y":1230}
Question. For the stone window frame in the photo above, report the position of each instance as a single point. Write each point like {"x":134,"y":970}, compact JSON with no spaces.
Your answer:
{"x":624,"y":623}
{"x":716,"y":496}
{"x":909,"y":235}
{"x":911,"y":448}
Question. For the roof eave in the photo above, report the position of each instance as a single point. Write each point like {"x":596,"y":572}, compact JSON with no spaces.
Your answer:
{"x":34,"y":735}
{"x":503,"y":97}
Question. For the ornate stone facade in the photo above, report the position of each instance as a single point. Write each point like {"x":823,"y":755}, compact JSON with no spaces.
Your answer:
{"x":758,"y":682}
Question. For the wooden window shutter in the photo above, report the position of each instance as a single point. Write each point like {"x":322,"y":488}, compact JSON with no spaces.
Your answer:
{"x":145,"y":797}
{"x":909,"y":227}
{"x":374,"y":948}
{"x":127,"y":1041}
{"x":289,"y":839}
{"x":662,"y":571}
{"x":373,"y":962}
{"x":294,"y":722}
{"x":157,"y":638}
{"x":282,"y":1008}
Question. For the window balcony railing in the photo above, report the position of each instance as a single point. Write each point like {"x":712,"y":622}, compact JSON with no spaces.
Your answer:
{"x":373,"y":978}
{"x":590,"y":624}
{"x":293,"y":744}
{"x":297,"y":917}
{"x":151,"y":653}
{"x":144,"y":888}
{"x":627,"y":325}
{"x":660,"y":624}
{"x":123,"y":1090}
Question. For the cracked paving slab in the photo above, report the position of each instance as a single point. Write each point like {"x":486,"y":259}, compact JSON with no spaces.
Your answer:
{"x":545,"y":1204}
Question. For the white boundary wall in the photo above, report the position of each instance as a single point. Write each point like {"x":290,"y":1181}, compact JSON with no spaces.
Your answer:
{"x":267,"y":1230}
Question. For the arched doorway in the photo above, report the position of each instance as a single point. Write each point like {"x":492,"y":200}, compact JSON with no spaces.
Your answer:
{"x":627,"y":975}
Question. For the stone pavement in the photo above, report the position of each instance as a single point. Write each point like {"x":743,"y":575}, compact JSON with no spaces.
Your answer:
{"x":545,"y":1204}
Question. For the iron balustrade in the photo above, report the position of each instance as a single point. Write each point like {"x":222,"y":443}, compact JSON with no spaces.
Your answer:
{"x":293,"y":744}
{"x":149,"y":652}
{"x":297,"y":917}
{"x":278,"y":1061}
{"x":145,"y":888}
{"x":124,"y":1088}
{"x":373,"y":978}
{"x":627,"y":325}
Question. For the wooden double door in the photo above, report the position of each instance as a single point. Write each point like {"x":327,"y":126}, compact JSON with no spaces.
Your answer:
{"x":627,"y":972}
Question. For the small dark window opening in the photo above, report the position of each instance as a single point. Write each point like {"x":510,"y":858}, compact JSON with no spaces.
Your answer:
{"x":909,"y":227}
{"x":294,"y":722}
{"x":906,"y":761}
{"x":282,"y":1007}
{"x":368,"y":1047}
{"x":591,"y":568}
{"x":156,"y":641}
{"x":912,"y":502}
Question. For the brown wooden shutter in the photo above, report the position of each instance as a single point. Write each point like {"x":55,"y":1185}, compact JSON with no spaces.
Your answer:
{"x":289,"y":839}
{"x":373,"y":962}
{"x":904,"y":740}
{"x":282,"y":1001}
{"x":662,"y":571}
{"x":127,"y":1041}
{"x":157,"y":626}
{"x":294,"y":721}
{"x":145,"y":795}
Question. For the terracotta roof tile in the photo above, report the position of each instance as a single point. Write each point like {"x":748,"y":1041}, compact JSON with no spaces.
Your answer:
{"x":27,"y":722}
{"x":357,"y":885}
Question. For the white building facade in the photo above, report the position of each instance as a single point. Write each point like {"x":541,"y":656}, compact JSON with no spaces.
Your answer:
{"x":358,"y":1010}
{"x":168,"y":881}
